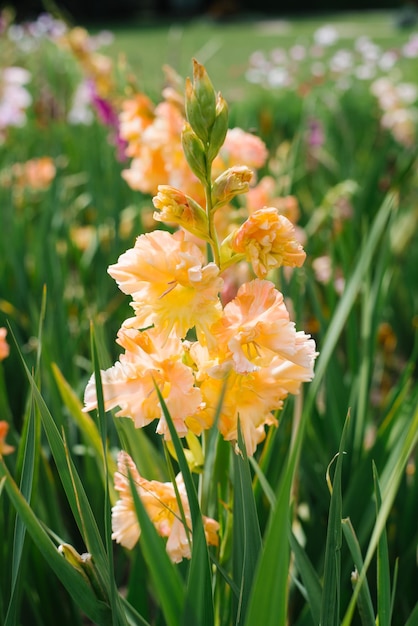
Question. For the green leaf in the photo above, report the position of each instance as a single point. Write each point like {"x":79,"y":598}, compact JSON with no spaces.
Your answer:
{"x":85,"y":423}
{"x":351,"y":291}
{"x":330,"y":606}
{"x":364,"y":600}
{"x":118,"y":615}
{"x":413,"y":618}
{"x":269,"y":595}
{"x":71,"y":482}
{"x":30,"y":446}
{"x":199,"y":602}
{"x":75,"y":584}
{"x":246,"y":531}
{"x":311,"y":582}
{"x":167,"y":583}
{"x":390,"y":480}
{"x":383,"y":568}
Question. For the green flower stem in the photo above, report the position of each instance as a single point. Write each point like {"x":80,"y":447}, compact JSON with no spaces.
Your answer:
{"x":213,"y":235}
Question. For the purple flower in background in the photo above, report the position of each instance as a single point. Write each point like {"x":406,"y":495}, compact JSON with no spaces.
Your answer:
{"x":315,"y":134}
{"x":109,"y":117}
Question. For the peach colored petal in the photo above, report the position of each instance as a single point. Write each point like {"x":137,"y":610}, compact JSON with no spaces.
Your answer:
{"x":130,"y":383}
{"x":169,"y":283}
{"x":269,"y":241}
{"x":255,"y":327}
{"x":161,"y":504}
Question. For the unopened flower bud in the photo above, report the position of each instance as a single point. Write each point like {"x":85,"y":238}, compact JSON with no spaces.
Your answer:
{"x":219,"y":128}
{"x":176,"y":207}
{"x":200,"y":102}
{"x":83,"y":563}
{"x":233,"y":181}
{"x":194,"y":152}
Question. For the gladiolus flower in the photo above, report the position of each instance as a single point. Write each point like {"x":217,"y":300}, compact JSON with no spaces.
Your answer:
{"x":160,"y":502}
{"x":268,"y":241}
{"x":4,"y":346}
{"x":255,"y":327}
{"x":4,"y":447}
{"x":149,"y":360}
{"x":250,"y":397}
{"x":169,"y":284}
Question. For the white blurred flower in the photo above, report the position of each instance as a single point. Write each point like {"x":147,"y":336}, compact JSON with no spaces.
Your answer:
{"x":407,"y":93}
{"x":278,"y":77}
{"x":365,"y":72}
{"x":81,"y":111}
{"x":387,"y":60}
{"x":341,"y":61}
{"x":326,"y":35}
{"x":14,"y":97}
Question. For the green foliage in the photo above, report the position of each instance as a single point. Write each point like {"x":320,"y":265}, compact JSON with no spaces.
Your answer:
{"x":287,"y":549}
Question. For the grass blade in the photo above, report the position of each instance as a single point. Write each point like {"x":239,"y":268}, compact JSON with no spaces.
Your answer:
{"x":167,"y":582}
{"x":383,"y":569}
{"x":75,"y":584}
{"x":330,"y":606}
{"x":309,"y":577}
{"x":246,"y":532}
{"x":390,"y":480}
{"x":199,"y":602}
{"x":364,"y":600}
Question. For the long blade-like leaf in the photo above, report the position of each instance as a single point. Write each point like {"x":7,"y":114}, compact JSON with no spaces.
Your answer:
{"x":330,"y":606}
{"x":364,"y":600}
{"x":75,"y":584}
{"x":199,"y":602}
{"x":383,"y":569}
{"x":246,"y":532}
{"x":311,"y":582}
{"x":167,"y":583}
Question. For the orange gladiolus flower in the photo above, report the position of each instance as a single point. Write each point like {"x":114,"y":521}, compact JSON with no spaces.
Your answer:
{"x":149,"y":360}
{"x":169,"y":284}
{"x":255,"y":327}
{"x":4,"y":346}
{"x":161,"y":504}
{"x":5,"y":448}
{"x":268,"y":241}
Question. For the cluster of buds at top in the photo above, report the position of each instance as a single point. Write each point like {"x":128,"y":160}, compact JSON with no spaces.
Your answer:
{"x":207,"y":122}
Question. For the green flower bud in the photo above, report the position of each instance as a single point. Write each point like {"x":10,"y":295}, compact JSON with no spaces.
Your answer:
{"x":200,"y":102}
{"x":219,"y":129}
{"x":194,"y":152}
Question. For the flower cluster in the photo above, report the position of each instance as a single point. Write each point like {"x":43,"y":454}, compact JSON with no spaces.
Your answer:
{"x":153,"y":135}
{"x":183,"y":339}
{"x":398,"y":102}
